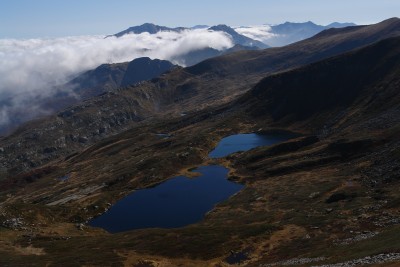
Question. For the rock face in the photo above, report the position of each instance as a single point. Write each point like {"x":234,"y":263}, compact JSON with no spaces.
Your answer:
{"x":13,"y":223}
{"x":369,"y":260}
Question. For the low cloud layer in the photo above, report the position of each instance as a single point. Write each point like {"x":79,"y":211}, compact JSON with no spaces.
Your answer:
{"x":260,"y":33}
{"x":29,"y":69}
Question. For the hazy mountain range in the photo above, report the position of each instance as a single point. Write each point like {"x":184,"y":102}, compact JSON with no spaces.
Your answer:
{"x":44,"y":80}
{"x":274,"y":35}
{"x":290,"y":32}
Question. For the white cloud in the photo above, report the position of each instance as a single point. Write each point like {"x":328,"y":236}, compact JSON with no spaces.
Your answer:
{"x":29,"y":69}
{"x":260,"y":33}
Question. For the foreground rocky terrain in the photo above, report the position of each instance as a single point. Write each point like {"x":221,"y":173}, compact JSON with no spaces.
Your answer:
{"x":326,"y":198}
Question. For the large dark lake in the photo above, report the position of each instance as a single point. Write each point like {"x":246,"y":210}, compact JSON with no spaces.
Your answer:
{"x":175,"y":203}
{"x":181,"y":201}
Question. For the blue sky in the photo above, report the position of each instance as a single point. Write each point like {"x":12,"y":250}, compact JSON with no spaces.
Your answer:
{"x":54,"y":18}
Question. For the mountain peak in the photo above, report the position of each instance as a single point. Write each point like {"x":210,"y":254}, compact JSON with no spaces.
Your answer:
{"x":224,"y":28}
{"x":340,"y":25}
{"x":392,"y":19}
{"x":310,"y":23}
{"x":149,"y":28}
{"x":144,"y":68}
{"x":200,"y":27}
{"x":149,"y":24}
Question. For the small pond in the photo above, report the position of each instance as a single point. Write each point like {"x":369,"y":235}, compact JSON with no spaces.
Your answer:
{"x":181,"y":201}
{"x":244,"y":142}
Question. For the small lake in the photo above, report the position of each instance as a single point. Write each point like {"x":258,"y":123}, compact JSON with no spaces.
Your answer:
{"x":244,"y":142}
{"x":175,"y":203}
{"x":181,"y":201}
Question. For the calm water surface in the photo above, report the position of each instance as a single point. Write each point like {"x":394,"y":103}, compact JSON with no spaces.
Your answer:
{"x":181,"y":201}
{"x":244,"y":142}
{"x":175,"y":203}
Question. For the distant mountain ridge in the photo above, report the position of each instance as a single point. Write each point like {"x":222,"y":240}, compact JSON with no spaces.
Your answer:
{"x":340,"y":25}
{"x":151,"y":28}
{"x":193,"y":57}
{"x":290,"y":32}
{"x":281,"y":34}
{"x":290,"y":27}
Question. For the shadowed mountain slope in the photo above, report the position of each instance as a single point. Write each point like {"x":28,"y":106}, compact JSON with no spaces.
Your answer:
{"x":196,"y":56}
{"x":341,"y":90}
{"x":104,"y":78}
{"x":108,"y":77}
{"x":144,"y":69}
